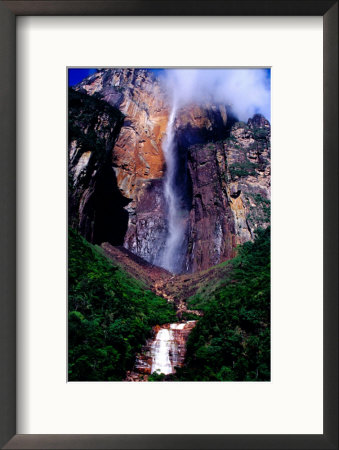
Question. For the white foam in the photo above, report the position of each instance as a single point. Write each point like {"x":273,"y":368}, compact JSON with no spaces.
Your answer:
{"x":160,"y":352}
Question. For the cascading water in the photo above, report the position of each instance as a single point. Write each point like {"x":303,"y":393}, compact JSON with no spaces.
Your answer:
{"x":170,"y":258}
{"x":164,"y":352}
{"x":168,"y":347}
{"x":162,"y":347}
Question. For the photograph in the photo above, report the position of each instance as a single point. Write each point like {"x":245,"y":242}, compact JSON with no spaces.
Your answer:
{"x":169,"y":200}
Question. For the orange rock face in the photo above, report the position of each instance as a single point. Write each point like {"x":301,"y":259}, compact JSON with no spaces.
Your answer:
{"x":138,"y":152}
{"x":202,"y":117}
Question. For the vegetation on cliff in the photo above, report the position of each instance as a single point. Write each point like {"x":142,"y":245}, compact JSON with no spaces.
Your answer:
{"x":110,"y":314}
{"x":231,"y":342}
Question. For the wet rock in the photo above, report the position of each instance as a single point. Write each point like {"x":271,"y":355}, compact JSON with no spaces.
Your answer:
{"x":165,"y":350}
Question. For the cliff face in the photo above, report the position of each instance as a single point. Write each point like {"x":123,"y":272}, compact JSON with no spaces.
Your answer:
{"x":231,"y":192}
{"x":147,"y":228}
{"x":222,"y":179}
{"x":248,"y":152}
{"x":96,"y":206}
{"x":224,"y":176}
{"x":138,"y":95}
{"x":211,"y":232}
{"x":137,"y":158}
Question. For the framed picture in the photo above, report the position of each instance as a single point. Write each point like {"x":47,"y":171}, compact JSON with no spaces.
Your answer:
{"x":169,"y":142}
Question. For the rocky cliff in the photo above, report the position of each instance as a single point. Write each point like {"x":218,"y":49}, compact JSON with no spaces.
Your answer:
{"x":137,"y":158}
{"x":138,"y":95}
{"x":248,"y":152}
{"x":222,"y":181}
{"x":96,"y":205}
{"x":230,"y":192}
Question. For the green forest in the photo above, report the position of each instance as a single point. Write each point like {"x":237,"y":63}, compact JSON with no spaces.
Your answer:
{"x":231,"y":342}
{"x":110,"y":314}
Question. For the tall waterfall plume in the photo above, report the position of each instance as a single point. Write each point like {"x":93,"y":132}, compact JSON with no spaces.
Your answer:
{"x":171,"y":258}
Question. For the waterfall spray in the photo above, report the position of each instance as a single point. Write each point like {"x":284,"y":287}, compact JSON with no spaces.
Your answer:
{"x":171,"y":259}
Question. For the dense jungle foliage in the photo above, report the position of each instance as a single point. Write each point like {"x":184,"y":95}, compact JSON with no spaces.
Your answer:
{"x":110,"y":315}
{"x":231,"y":342}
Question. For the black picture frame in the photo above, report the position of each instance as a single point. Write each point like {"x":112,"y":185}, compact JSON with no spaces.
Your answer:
{"x":9,"y":9}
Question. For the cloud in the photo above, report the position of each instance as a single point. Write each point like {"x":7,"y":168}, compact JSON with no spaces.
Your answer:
{"x":248,"y":91}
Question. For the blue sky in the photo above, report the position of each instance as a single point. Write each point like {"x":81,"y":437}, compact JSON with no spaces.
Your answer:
{"x":77,"y":75}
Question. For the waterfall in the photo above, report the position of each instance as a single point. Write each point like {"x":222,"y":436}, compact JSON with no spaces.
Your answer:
{"x":169,"y":347}
{"x":170,"y":258}
{"x":163,"y":352}
{"x":162,"y":346}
